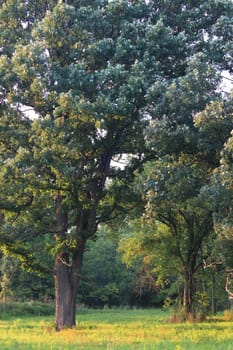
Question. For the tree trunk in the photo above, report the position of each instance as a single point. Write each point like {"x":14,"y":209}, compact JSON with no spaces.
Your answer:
{"x":188,"y":295}
{"x":213,"y":299}
{"x":67,"y":272}
{"x":67,"y":281}
{"x":64,"y":306}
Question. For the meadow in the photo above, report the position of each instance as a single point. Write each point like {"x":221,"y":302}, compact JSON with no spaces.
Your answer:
{"x":115,"y":330}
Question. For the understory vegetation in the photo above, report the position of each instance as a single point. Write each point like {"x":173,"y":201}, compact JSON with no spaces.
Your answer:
{"x":107,"y":282}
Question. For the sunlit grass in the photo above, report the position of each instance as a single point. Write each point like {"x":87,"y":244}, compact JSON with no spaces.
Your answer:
{"x":116,"y":330}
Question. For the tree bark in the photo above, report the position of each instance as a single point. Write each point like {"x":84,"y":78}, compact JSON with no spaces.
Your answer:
{"x":67,"y":272}
{"x":188,"y":295}
{"x":64,"y":310}
{"x":67,"y":280}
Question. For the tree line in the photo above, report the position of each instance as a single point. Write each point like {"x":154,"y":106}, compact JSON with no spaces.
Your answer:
{"x":129,"y":129}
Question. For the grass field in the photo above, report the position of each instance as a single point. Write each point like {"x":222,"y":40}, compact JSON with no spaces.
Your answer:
{"x":115,"y":330}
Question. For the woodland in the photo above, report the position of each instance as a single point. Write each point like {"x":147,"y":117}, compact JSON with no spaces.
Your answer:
{"x":116,"y":154}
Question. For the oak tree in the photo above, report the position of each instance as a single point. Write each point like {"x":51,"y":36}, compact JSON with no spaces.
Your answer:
{"x":94,"y":73}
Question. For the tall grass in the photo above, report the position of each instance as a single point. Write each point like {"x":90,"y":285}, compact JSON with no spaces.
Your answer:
{"x":115,"y":330}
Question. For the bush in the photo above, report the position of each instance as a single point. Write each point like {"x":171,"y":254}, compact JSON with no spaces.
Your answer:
{"x":17,"y":309}
{"x":177,"y":316}
{"x":228,"y":315}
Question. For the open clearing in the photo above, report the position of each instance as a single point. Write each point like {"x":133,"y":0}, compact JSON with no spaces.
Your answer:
{"x":116,"y":330}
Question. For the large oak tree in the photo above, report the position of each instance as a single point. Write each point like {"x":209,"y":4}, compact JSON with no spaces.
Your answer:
{"x":94,"y":72}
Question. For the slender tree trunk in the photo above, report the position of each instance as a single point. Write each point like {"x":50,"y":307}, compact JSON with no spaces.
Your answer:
{"x":213,"y":300}
{"x":188,"y":295}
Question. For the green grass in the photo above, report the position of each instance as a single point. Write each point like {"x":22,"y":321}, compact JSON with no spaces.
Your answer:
{"x":115,"y":330}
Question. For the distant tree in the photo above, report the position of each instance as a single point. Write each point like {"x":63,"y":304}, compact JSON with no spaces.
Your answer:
{"x":146,"y":246}
{"x":106,"y":280}
{"x":7,"y":268}
{"x":221,"y":189}
{"x":23,"y":285}
{"x":184,"y":191}
{"x":190,"y":122}
{"x":174,"y":198}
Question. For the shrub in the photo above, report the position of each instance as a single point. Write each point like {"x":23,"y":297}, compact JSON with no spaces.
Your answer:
{"x":17,"y":309}
{"x":228,"y":315}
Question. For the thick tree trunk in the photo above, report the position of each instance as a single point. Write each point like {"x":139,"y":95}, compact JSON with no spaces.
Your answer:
{"x":64,"y":299}
{"x":67,"y":272}
{"x":67,"y":281}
